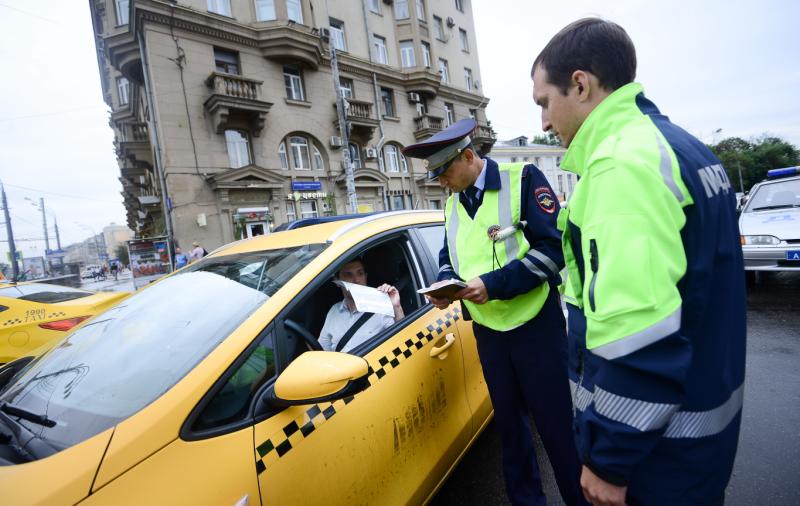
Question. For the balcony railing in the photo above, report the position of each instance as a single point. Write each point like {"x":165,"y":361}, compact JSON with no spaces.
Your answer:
{"x":427,"y":125}
{"x":134,"y":132}
{"x":359,"y":109}
{"x":235,"y":86}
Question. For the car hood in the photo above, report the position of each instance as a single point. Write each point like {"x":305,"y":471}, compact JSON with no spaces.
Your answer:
{"x":781,"y":223}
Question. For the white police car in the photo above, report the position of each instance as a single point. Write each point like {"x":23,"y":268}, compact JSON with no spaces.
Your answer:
{"x":770,"y":223}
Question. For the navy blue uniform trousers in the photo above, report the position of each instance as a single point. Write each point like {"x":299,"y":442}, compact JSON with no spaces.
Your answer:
{"x":526,"y":373}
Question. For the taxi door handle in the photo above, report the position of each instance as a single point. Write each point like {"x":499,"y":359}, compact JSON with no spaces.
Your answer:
{"x":441,"y":351}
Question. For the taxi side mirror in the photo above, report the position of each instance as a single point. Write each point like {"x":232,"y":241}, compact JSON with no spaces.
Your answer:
{"x":320,"y":376}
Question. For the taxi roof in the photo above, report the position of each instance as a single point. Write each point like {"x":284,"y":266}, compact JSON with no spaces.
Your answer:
{"x":331,"y":231}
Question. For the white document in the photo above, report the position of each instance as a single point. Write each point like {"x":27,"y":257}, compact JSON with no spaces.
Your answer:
{"x":366,"y":299}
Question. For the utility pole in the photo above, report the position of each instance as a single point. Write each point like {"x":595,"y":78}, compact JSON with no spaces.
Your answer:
{"x":58,"y":237}
{"x":12,"y":249}
{"x":341,"y":108}
{"x":741,"y":183}
{"x":44,"y":226}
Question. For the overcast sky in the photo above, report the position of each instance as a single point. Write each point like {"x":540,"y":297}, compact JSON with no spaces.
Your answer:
{"x":733,"y":65}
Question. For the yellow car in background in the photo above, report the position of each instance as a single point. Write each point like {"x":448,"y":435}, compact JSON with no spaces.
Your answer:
{"x":34,"y":316}
{"x":209,"y":386}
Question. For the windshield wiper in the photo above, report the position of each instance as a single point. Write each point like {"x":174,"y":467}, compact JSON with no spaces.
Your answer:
{"x":30,"y":416}
{"x":775,"y":207}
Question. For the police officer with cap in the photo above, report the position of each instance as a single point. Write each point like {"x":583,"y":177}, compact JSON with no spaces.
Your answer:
{"x":501,"y":239}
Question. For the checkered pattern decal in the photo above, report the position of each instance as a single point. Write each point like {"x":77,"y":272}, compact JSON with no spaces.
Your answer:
{"x":14,"y":321}
{"x":281,"y":442}
{"x":17,"y":321}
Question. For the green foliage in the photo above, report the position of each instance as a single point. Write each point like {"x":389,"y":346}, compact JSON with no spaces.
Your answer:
{"x":122,"y":253}
{"x":549,"y":139}
{"x":754,"y":157}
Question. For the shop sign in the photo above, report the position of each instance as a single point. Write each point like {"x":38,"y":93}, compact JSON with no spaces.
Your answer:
{"x":306,"y":195}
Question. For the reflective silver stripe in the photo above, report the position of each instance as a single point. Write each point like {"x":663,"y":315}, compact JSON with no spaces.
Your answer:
{"x":545,"y":260}
{"x":532,"y":267}
{"x":445,"y":267}
{"x":639,"y":340}
{"x":666,"y":170}
{"x":452,"y":231}
{"x":682,"y":424}
{"x":504,"y":211}
{"x":580,"y":396}
{"x":695,"y":424}
{"x":641,"y":415}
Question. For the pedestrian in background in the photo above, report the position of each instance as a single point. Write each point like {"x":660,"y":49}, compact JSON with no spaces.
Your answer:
{"x":180,"y":258}
{"x":197,"y":252}
{"x":656,"y":289}
{"x":501,"y":239}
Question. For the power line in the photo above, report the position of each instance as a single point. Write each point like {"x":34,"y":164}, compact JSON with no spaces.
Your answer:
{"x":60,"y":194}
{"x":29,"y":14}
{"x":47,"y":114}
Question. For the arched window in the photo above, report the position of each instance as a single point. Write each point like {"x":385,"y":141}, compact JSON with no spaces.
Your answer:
{"x":238,"y":144}
{"x":300,"y":152}
{"x":355,"y":155}
{"x":394,"y":161}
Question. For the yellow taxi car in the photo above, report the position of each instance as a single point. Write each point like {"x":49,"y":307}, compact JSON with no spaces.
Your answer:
{"x":209,"y":386}
{"x":35,"y":315}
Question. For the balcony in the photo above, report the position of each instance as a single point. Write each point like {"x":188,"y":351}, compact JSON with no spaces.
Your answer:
{"x":361,"y":119}
{"x":483,"y":138}
{"x":427,"y":125}
{"x":423,"y":80}
{"x":236,"y":98}
{"x":133,"y":142}
{"x":291,"y":43}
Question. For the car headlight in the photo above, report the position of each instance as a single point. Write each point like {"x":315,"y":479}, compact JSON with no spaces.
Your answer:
{"x":760,"y":240}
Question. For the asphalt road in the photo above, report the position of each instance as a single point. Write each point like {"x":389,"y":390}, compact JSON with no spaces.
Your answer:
{"x":767,"y":468}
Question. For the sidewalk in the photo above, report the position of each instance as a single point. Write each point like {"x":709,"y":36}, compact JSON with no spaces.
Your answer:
{"x":123,"y":284}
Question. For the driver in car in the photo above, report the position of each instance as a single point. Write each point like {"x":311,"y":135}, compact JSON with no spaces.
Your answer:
{"x":339,"y":333}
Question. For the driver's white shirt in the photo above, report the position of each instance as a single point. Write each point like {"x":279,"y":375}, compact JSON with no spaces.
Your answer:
{"x":340,"y":319}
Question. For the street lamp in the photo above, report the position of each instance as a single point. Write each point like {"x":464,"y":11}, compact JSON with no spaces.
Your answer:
{"x":42,"y":208}
{"x":44,"y":222}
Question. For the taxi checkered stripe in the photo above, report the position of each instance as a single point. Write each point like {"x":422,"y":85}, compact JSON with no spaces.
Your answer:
{"x":281,"y":442}
{"x":17,"y":321}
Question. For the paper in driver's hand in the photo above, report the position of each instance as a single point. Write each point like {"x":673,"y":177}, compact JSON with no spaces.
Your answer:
{"x":444,"y":289}
{"x":366,"y":299}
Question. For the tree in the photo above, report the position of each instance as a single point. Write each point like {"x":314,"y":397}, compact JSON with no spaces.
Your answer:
{"x":122,"y":254}
{"x":548,"y":139}
{"x":754,"y":158}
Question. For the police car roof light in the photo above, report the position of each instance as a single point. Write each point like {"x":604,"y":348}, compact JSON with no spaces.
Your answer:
{"x":785,"y":172}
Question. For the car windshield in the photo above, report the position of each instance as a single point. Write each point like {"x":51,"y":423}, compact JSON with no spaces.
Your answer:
{"x":43,"y":292}
{"x":775,"y":195}
{"x":130,"y":355}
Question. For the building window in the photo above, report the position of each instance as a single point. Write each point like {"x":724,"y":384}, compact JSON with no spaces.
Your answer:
{"x":464,"y":40}
{"x":123,"y":89}
{"x":337,"y":34}
{"x":294,"y":11}
{"x":558,"y":161}
{"x":438,"y":28}
{"x":290,"y":214}
{"x":387,"y":99}
{"x":265,"y":10}
{"x":407,"y":53}
{"x":468,"y":79}
{"x":422,"y":106}
{"x":473,"y":113}
{"x":282,"y":155}
{"x":238,"y":145}
{"x":460,"y":5}
{"x":308,"y":209}
{"x":226,"y":61}
{"x":525,"y":158}
{"x":393,"y":159}
{"x":293,"y":80}
{"x":301,"y":159}
{"x":122,"y":12}
{"x":426,"y":54}
{"x":435,"y":204}
{"x":398,"y":202}
{"x":513,"y":159}
{"x":522,"y":141}
{"x":220,"y":7}
{"x":346,"y":86}
{"x":401,"y":9}
{"x":319,"y":164}
{"x":379,"y":48}
{"x":450,"y":113}
{"x":375,"y":6}
{"x":355,"y":155}
{"x":444,"y":71}
{"x":560,"y":183}
{"x":421,"y":10}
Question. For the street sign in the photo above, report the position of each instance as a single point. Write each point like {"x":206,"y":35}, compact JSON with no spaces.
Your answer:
{"x":306,"y":185}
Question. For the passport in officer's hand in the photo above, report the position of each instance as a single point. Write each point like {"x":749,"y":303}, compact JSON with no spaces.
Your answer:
{"x":446,"y":289}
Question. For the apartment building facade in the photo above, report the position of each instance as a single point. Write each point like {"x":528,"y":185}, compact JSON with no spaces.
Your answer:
{"x":546,"y":157}
{"x":225,"y":116}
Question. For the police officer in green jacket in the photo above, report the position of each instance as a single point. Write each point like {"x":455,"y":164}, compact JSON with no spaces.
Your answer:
{"x":501,"y":239}
{"x":656,"y":290}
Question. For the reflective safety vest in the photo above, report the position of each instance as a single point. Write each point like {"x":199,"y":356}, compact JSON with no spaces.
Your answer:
{"x":473,"y":253}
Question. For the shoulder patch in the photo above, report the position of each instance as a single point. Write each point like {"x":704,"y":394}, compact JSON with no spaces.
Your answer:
{"x":545,"y":199}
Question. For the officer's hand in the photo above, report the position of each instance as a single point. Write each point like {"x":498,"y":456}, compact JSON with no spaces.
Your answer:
{"x":599,"y":492}
{"x":440,"y":303}
{"x":474,"y":292}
